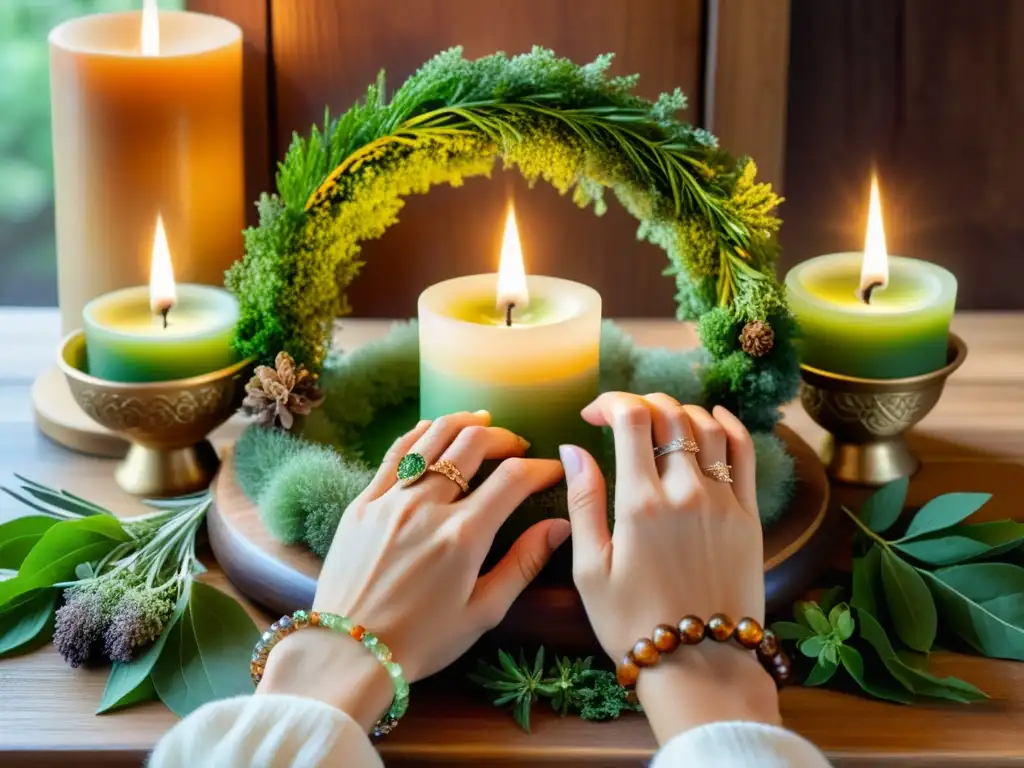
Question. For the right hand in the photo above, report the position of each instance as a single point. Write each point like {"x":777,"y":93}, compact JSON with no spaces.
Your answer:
{"x":683,"y":544}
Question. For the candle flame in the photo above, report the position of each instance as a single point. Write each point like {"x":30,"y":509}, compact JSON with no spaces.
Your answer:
{"x":150,"y":29}
{"x":874,"y":270}
{"x":162,"y":292}
{"x":511,"y":273}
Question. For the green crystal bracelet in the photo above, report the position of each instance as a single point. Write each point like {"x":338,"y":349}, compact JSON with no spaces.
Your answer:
{"x":286,"y":625}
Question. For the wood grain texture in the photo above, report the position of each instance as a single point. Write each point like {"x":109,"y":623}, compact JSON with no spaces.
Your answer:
{"x":327,"y":51}
{"x":931,"y":94}
{"x":973,"y":440}
{"x":253,"y":16}
{"x":745,"y":101}
{"x":282,"y":577}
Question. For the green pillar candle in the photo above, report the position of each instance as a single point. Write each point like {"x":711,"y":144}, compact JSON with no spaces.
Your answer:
{"x":902,"y":331}
{"x":534,"y":376}
{"x":126,"y":341}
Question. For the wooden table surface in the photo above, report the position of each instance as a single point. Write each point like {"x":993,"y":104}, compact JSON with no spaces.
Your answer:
{"x":973,"y":440}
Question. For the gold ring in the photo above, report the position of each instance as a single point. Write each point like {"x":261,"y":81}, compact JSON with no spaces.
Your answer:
{"x":679,"y":444}
{"x":449,"y":470}
{"x":718,"y":471}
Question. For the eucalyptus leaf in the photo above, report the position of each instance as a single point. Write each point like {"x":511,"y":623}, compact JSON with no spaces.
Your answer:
{"x":811,"y":616}
{"x":1009,"y":607}
{"x":28,"y":622}
{"x":965,"y":542}
{"x":984,"y":581}
{"x":206,"y":653}
{"x":913,"y":678}
{"x":969,"y":608}
{"x":59,"y":551}
{"x":125,"y":680}
{"x":18,"y":536}
{"x":788,"y":630}
{"x":945,"y":511}
{"x":883,"y":508}
{"x":84,"y":571}
{"x":812,"y":646}
{"x":867,"y":585}
{"x":870,"y":682}
{"x":821,"y":673}
{"x":910,"y":603}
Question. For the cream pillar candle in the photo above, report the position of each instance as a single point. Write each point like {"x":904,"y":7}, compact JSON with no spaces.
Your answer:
{"x":140,"y":132}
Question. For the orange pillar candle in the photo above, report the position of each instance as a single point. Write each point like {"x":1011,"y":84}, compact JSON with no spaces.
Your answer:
{"x":147,"y":119}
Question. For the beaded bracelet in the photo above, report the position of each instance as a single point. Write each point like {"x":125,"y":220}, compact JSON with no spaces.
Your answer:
{"x":301,"y":619}
{"x":692,"y":630}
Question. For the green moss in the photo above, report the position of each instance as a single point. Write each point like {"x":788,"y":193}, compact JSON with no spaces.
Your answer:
{"x":776,"y":477}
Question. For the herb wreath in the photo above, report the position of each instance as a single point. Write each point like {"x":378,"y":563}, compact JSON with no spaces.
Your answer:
{"x":569,"y":125}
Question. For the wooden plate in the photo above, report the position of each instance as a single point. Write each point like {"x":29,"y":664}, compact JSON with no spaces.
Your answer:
{"x":283,"y":577}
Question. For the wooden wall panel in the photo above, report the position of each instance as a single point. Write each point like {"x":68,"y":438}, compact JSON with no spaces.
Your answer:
{"x":327,"y":51}
{"x":932,"y":93}
{"x":746,"y":80}
{"x":253,"y":16}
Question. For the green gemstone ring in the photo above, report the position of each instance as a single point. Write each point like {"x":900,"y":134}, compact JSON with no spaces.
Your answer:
{"x":411,"y":468}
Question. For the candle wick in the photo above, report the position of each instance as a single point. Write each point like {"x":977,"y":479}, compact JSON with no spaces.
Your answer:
{"x":866,"y":293}
{"x":163,"y":313}
{"x":508,"y":314}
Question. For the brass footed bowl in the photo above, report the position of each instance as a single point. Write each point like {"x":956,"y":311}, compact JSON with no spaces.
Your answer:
{"x":166,"y":421}
{"x":867,"y":419}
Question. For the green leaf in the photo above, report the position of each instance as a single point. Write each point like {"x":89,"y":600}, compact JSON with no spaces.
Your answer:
{"x":63,"y":500}
{"x":829,"y":598}
{"x":28,"y":622}
{"x":944,"y":511}
{"x":18,"y":536}
{"x":206,"y":655}
{"x":521,"y":713}
{"x":965,"y":542}
{"x":788,"y":630}
{"x":812,"y":646}
{"x":872,"y":683}
{"x":845,"y":625}
{"x":60,"y":549}
{"x":1009,"y":607}
{"x":829,"y":652}
{"x":867,"y":580}
{"x":913,"y":678}
{"x":538,"y":664}
{"x":811,"y":616}
{"x":883,"y":508}
{"x":984,"y":581}
{"x":969,"y":607}
{"x":821,"y":673}
{"x":129,"y":681}
{"x":910,"y":603}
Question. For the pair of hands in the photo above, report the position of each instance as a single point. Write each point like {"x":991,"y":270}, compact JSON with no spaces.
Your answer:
{"x":406,"y":561}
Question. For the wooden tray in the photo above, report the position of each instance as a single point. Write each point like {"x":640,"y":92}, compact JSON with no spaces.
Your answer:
{"x":283,"y":577}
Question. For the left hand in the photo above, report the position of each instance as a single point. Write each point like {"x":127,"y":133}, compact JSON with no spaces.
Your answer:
{"x":405,"y":564}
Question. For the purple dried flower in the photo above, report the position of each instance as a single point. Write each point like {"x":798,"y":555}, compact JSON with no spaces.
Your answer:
{"x":137,"y":620}
{"x":78,"y":631}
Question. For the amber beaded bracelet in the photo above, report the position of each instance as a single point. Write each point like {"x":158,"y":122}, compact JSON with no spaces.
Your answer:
{"x":692,"y":630}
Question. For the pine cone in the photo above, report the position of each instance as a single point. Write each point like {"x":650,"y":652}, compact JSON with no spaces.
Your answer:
{"x":275,"y":396}
{"x":757,"y":338}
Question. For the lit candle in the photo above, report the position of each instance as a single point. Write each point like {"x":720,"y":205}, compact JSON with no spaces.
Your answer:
{"x":871,"y":315}
{"x":161,"y":331}
{"x":524,"y":348}
{"x":147,"y":118}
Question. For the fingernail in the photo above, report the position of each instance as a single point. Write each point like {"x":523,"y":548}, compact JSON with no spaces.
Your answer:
{"x":423,"y":423}
{"x":481,"y":412}
{"x":572,"y":461}
{"x":558,"y":532}
{"x":525,"y":443}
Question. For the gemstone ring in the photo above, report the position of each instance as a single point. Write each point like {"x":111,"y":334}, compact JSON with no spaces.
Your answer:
{"x":411,"y":468}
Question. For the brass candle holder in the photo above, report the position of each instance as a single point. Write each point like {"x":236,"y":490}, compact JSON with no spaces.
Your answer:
{"x":867,"y":419}
{"x":166,"y":422}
